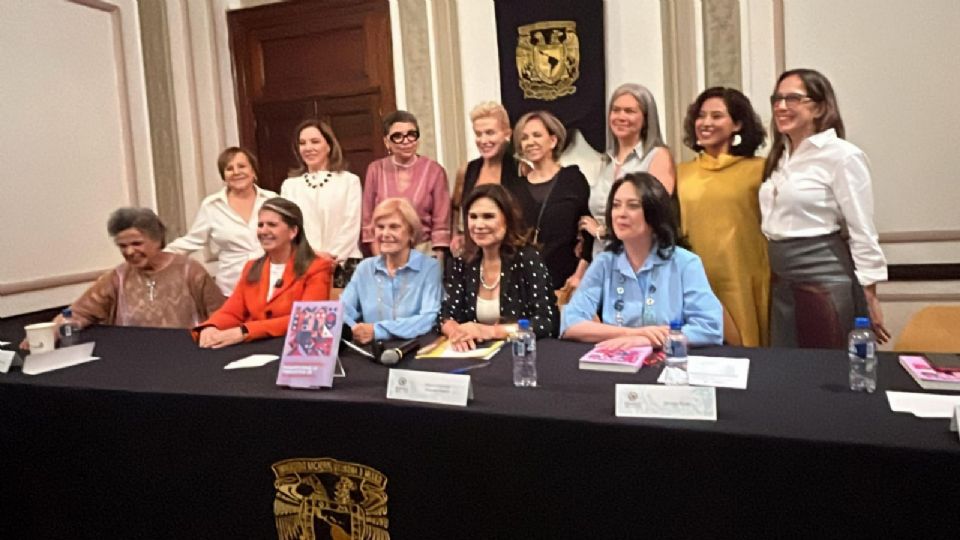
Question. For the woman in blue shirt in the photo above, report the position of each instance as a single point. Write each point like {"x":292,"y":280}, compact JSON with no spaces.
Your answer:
{"x":643,"y":280}
{"x":396,"y":294}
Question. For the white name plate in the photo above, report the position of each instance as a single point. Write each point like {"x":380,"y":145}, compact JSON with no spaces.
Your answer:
{"x":673,"y":402}
{"x":6,"y":360}
{"x":429,"y":387}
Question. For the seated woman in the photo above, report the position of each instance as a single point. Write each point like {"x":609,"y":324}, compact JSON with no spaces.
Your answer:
{"x":152,"y":287}
{"x":289,"y":272}
{"x":499,"y":278}
{"x":643,"y":281}
{"x":397,"y":293}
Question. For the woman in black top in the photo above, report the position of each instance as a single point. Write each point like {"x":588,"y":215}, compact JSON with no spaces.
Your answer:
{"x":496,"y":165}
{"x":499,"y":279}
{"x":551,"y":197}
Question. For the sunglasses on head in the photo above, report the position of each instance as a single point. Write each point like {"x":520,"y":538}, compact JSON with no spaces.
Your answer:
{"x":399,"y":138}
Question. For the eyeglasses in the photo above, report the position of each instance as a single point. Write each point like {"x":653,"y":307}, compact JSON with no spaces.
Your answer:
{"x":792,"y":100}
{"x":400,"y":138}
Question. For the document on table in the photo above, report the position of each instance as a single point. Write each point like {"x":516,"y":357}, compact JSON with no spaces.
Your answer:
{"x":717,"y":371}
{"x":252,"y":361}
{"x":923,"y":405}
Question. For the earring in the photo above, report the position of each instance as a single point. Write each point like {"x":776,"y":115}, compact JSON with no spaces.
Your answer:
{"x":736,"y":140}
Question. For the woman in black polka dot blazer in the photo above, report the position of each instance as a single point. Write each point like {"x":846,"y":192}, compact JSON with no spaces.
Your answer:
{"x":499,"y":279}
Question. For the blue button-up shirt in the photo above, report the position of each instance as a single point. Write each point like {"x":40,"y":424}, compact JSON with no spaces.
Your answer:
{"x":403,"y":306}
{"x":663,"y":290}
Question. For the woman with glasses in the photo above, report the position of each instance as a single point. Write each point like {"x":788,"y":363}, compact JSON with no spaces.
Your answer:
{"x":419,"y":179}
{"x":720,"y":212}
{"x":328,"y":195}
{"x":817,"y":213}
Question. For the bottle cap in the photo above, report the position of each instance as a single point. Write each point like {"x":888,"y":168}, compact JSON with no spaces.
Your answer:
{"x":524,"y":324}
{"x":861,"y":322}
{"x":676,"y":324}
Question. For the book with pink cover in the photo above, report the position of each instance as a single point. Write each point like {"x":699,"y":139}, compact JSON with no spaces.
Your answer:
{"x":927,"y":377}
{"x":622,"y":361}
{"x":310,"y":347}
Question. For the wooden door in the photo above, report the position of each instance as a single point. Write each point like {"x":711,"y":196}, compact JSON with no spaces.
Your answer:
{"x":330,"y":59}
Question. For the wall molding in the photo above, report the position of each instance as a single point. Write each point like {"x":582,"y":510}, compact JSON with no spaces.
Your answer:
{"x":910,"y":237}
{"x":30,"y":285}
{"x":721,"y":44}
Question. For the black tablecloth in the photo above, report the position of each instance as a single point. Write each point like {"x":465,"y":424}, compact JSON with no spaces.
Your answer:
{"x":156,"y":440}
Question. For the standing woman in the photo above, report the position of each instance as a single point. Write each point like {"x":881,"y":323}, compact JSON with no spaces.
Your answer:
{"x":496,"y":165}
{"x":289,"y":272}
{"x":227,"y":220}
{"x":720,"y":211}
{"x":551,"y":197}
{"x":499,"y":280}
{"x":406,"y":174}
{"x":817,"y":209}
{"x":634,"y":144}
{"x":328,"y":195}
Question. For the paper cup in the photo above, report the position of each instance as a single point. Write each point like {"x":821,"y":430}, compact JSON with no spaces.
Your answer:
{"x":41,"y":337}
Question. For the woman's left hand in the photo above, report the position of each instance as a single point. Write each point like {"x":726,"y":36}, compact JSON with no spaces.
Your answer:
{"x":625,"y":342}
{"x":363,"y":333}
{"x":211,"y":338}
{"x":589,"y":224}
{"x":467,"y":335}
{"x":876,"y":314}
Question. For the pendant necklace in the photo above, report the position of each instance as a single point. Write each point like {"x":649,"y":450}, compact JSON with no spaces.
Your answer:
{"x":315,"y":181}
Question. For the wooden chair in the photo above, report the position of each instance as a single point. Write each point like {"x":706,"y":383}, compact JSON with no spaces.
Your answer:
{"x":932,"y":329}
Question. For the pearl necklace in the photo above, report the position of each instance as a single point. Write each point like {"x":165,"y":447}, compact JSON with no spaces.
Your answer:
{"x":311,"y":178}
{"x":483,"y":282}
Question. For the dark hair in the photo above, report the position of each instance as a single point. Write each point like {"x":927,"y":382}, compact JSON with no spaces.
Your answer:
{"x":752,"y":134}
{"x":335,"y":161}
{"x":818,"y":89}
{"x":227,"y":156}
{"x":554,"y":127}
{"x":657,"y":212}
{"x":144,"y":220}
{"x":516,"y":235}
{"x":399,"y":116}
{"x":303,"y":254}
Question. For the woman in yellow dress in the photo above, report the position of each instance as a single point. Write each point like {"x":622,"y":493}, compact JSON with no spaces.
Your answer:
{"x":720,"y":211}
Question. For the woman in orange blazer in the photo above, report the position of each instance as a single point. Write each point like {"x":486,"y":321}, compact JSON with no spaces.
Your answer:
{"x":289,"y":272}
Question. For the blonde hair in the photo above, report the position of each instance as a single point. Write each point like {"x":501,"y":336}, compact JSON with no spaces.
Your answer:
{"x":490,"y":109}
{"x":399,"y":205}
{"x":552,"y":123}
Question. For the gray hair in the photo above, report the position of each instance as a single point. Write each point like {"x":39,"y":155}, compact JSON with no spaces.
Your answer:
{"x":142,"y":219}
{"x":650,"y":136}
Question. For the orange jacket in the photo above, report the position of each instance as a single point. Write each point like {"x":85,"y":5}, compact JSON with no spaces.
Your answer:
{"x":269,"y":318}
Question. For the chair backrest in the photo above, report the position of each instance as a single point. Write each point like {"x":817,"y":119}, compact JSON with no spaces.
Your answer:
{"x":932,"y":329}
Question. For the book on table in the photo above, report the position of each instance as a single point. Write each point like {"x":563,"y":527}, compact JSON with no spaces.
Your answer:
{"x":620,"y":361}
{"x":928,"y":378}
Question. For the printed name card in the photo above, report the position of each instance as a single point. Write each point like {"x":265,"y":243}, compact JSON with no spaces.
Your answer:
{"x":6,"y":360}
{"x":672,"y":402}
{"x":429,"y":387}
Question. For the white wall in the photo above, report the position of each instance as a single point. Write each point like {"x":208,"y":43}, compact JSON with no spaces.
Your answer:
{"x":74,"y":143}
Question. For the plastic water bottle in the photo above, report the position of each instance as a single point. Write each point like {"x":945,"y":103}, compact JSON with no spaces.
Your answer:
{"x":524,"y":344}
{"x":862,"y":352}
{"x":675,"y":370}
{"x":69,"y":329}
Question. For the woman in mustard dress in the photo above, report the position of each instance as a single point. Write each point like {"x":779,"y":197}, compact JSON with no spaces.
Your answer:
{"x":720,"y":212}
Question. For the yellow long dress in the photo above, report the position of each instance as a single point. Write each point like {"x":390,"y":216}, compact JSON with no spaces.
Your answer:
{"x":720,"y":215}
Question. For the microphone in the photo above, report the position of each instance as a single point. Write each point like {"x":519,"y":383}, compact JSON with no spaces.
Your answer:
{"x":390,"y":357}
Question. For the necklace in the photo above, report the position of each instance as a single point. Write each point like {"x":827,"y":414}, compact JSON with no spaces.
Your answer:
{"x":314,"y":180}
{"x":152,"y":286}
{"x":413,"y":161}
{"x":483,"y":282}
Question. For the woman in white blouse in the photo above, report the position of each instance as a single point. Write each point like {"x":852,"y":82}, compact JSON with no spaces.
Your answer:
{"x":226,"y":222}
{"x":329,"y":196}
{"x":817,"y":213}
